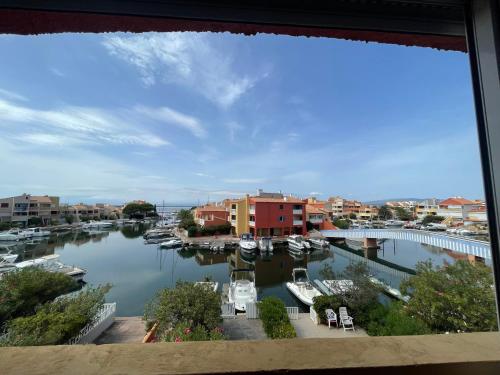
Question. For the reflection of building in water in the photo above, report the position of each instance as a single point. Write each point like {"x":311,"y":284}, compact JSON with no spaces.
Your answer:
{"x":206,"y":258}
{"x":319,"y":255}
{"x":272,"y":270}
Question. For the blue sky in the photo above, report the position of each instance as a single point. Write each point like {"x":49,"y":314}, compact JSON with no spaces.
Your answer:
{"x":190,"y":116}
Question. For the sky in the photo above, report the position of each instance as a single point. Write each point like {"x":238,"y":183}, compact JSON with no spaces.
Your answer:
{"x":192,"y":117}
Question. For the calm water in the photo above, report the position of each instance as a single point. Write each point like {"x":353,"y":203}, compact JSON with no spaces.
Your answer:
{"x":137,"y":270}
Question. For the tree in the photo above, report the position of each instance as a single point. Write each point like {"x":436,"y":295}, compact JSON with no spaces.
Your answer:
{"x":458,"y":297}
{"x":403,"y":214}
{"x":58,"y":321}
{"x":22,"y":291}
{"x":187,"y":219}
{"x":432,"y":219}
{"x":187,"y":302}
{"x":139,"y":210}
{"x":34,"y":221}
{"x":394,"y":321}
{"x":384,"y":213}
{"x":352,"y":215}
{"x":341,"y":223}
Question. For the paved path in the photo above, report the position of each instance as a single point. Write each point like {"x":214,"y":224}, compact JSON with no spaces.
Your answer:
{"x":123,"y":330}
{"x":242,"y":328}
{"x":305,"y":328}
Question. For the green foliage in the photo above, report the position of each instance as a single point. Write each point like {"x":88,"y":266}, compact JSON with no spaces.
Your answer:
{"x":69,"y":219}
{"x":139,"y":210}
{"x":322,"y":303}
{"x":432,"y":219}
{"x":326,"y":272}
{"x":192,"y":231}
{"x":58,"y":321}
{"x":5,"y":225}
{"x":309,"y":226}
{"x":185,"y":332}
{"x":394,"y":321}
{"x":22,"y":291}
{"x":187,"y":302}
{"x":352,"y":215}
{"x":34,"y":221}
{"x":275,"y":319}
{"x":403,"y":214}
{"x":384,"y":213}
{"x":196,"y":230}
{"x":341,"y":223}
{"x":458,"y":297}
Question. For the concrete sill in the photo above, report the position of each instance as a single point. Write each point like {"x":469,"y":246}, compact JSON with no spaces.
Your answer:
{"x":477,"y":353}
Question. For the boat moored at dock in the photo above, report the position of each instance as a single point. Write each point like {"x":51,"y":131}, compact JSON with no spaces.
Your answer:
{"x":301,"y":287}
{"x":247,"y":243}
{"x":265,"y":244}
{"x":242,"y":288}
{"x":297,"y":242}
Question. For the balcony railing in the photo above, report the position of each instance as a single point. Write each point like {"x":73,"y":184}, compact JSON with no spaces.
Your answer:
{"x":297,"y":222}
{"x":233,"y":222}
{"x":251,"y":223}
{"x":315,"y":220}
{"x":233,"y":211}
{"x":251,"y":211}
{"x":297,"y":212}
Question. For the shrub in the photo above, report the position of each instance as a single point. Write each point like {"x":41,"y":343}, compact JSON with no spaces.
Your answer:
{"x":185,"y":303}
{"x":5,"y":225}
{"x":69,"y":219}
{"x":275,"y":319}
{"x":34,"y":221}
{"x":394,"y":321}
{"x":322,"y":303}
{"x":184,"y":332}
{"x":22,"y":291}
{"x":341,"y":223}
{"x":56,"y":322}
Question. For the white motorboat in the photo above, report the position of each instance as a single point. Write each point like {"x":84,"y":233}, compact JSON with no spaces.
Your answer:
{"x":301,"y":287}
{"x":97,"y":224}
{"x":50,"y":263}
{"x":210,"y":285}
{"x":394,"y":223}
{"x":319,"y":242}
{"x":242,"y":290}
{"x":20,"y":233}
{"x":176,"y":242}
{"x":9,"y":236}
{"x":247,"y":243}
{"x":36,"y":232}
{"x":266,"y":244}
{"x":338,"y":286}
{"x":389,"y":289}
{"x":297,"y":242}
{"x":8,"y":258}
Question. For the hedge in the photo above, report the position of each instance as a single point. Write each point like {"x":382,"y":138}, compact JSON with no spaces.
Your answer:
{"x":275,"y":319}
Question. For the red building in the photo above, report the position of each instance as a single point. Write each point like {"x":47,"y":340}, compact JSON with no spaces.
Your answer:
{"x":209,"y":216}
{"x":276,"y":216}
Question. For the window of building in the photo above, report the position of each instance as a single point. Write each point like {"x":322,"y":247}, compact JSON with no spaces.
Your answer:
{"x":281,"y":219}
{"x":281,"y":206}
{"x":233,"y":217}
{"x":233,"y":206}
{"x":4,"y":205}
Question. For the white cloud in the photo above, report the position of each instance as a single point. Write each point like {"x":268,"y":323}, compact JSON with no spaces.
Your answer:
{"x":76,"y":125}
{"x":244,"y":180}
{"x":233,"y":127}
{"x":314,"y":193}
{"x":187,"y":59}
{"x":57,"y":72}
{"x":12,"y":95}
{"x":171,"y":116}
{"x":200,"y":174}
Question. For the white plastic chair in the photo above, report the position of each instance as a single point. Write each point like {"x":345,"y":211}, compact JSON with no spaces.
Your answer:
{"x":345,"y":319}
{"x":331,"y":317}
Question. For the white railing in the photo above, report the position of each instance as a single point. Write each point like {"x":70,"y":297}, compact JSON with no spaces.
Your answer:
{"x":228,"y":310}
{"x":297,"y":212}
{"x":251,"y":223}
{"x":94,"y":329}
{"x":252,"y":311}
{"x":313,"y":315}
{"x":297,"y":222}
{"x":233,"y":222}
{"x":233,"y":211}
{"x":316,"y":220}
{"x":251,"y":210}
{"x":292,"y":312}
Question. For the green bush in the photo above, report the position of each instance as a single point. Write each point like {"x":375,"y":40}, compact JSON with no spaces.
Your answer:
{"x":394,"y":321}
{"x":5,"y":225}
{"x":34,"y":221}
{"x":22,"y":291}
{"x":69,"y":219}
{"x":322,"y":303}
{"x":275,"y":319}
{"x":56,"y":322}
{"x":184,"y":303}
{"x":341,"y":223}
{"x":192,"y":231}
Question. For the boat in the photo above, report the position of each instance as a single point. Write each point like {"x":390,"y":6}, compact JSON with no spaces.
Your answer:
{"x":210,"y":285}
{"x":36,"y":232}
{"x":20,"y":233}
{"x":394,"y":223}
{"x":318,"y":242}
{"x":389,"y":289}
{"x":265,"y":244}
{"x":8,"y":236}
{"x":8,"y":258}
{"x":217,"y":246}
{"x":242,"y":290}
{"x":301,"y":287}
{"x":176,"y":242}
{"x":297,"y":242}
{"x":247,"y":243}
{"x":50,"y":263}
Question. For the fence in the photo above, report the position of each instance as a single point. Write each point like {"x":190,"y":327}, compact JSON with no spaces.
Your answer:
{"x":228,"y":310}
{"x":93,"y":330}
{"x":252,"y":311}
{"x":293,"y":313}
{"x":313,"y":315}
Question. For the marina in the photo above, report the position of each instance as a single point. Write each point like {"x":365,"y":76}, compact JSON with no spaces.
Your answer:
{"x":123,"y":256}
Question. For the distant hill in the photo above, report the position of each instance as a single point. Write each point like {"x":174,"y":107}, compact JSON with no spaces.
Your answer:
{"x":381,"y":202}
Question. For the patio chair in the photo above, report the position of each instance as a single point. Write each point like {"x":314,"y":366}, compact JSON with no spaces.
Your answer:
{"x":331,"y":317}
{"x":345,"y":319}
